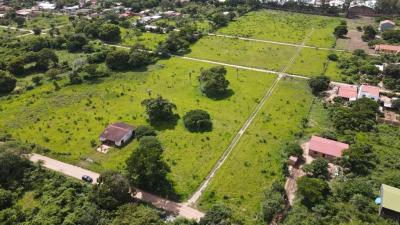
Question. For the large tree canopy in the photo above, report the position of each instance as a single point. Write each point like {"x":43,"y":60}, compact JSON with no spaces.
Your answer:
{"x":213,"y":82}
{"x":7,"y":82}
{"x":159,"y":109}
{"x":197,"y":121}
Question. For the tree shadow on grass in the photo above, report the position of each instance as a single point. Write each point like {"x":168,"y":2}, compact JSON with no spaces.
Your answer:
{"x":165,"y":125}
{"x":228,"y":93}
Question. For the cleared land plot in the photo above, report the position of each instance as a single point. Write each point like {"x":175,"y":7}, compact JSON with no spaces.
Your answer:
{"x":66,"y":121}
{"x":256,"y":162}
{"x":129,"y":38}
{"x":243,"y":53}
{"x":45,"y":21}
{"x":284,"y":27}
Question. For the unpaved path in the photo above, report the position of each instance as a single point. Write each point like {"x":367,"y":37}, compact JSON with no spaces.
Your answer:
{"x":161,"y":203}
{"x":196,"y":196}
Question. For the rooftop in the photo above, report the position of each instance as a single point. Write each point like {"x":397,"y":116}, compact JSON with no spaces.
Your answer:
{"x":371,"y":90}
{"x":327,"y":146}
{"x":387,"y":21}
{"x":115,"y":132}
{"x":348,"y":91}
{"x":387,"y":47}
{"x":390,"y":197}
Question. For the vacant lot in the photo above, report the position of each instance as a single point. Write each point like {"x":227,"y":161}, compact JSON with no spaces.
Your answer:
{"x":45,"y":21}
{"x":256,"y":162}
{"x":284,"y":27}
{"x":244,"y":53}
{"x":66,"y":121}
{"x":150,"y":40}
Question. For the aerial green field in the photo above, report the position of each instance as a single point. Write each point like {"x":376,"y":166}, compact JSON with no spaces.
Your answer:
{"x":255,"y":162}
{"x":129,"y":38}
{"x":243,"y":53}
{"x":284,"y":27}
{"x":66,"y":121}
{"x":310,"y":62}
{"x":45,"y":21}
{"x":10,"y":33}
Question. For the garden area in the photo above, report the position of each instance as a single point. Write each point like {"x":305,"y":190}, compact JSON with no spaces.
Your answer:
{"x":255,"y":163}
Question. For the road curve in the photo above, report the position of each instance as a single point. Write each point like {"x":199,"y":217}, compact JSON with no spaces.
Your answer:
{"x":158,"y":202}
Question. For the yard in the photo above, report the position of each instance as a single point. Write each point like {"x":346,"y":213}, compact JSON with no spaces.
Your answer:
{"x":256,"y":162}
{"x":284,"y":27}
{"x":65,"y":122}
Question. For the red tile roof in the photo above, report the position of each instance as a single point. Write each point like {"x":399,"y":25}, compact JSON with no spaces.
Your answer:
{"x":371,"y":90}
{"x":326,"y":146}
{"x":115,"y":132}
{"x":391,"y":48}
{"x":348,"y":91}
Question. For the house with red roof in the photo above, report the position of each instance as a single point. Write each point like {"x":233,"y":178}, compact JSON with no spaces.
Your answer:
{"x":117,"y":134}
{"x":326,"y":148}
{"x":348,"y":92}
{"x":368,"y":91}
{"x":383,"y":48}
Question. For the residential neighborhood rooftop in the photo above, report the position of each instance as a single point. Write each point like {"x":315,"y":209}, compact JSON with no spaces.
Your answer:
{"x":327,"y":146}
{"x":115,"y":132}
{"x":348,"y":91}
{"x":371,"y":90}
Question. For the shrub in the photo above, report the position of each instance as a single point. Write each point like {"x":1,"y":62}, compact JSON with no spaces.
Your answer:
{"x":142,"y":131}
{"x":7,"y":82}
{"x":197,"y":121}
{"x":333,"y":57}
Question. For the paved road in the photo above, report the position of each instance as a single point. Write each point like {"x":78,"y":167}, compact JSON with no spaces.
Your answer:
{"x":161,"y":203}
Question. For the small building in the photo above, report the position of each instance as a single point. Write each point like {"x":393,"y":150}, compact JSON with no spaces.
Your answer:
{"x":326,"y":148}
{"x":367,"y":91}
{"x":46,"y":6}
{"x":389,"y":201}
{"x":24,"y":12}
{"x":117,"y":134}
{"x":292,"y":161}
{"x":391,"y":49}
{"x":348,"y":92}
{"x":386,"y":25}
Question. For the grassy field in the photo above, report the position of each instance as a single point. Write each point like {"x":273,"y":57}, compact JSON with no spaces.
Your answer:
{"x":284,"y":27}
{"x":148,"y":39}
{"x":244,"y":53}
{"x":44,"y":21}
{"x":10,"y":33}
{"x":65,"y":121}
{"x":255,"y":162}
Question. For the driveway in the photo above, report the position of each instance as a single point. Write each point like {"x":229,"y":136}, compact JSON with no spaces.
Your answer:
{"x":158,"y":202}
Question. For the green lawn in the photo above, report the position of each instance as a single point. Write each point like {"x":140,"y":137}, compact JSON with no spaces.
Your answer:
{"x":10,"y":33}
{"x":65,"y":121}
{"x":148,"y":39}
{"x":284,"y":27}
{"x":44,"y":21}
{"x":255,"y":162}
{"x":244,"y":53}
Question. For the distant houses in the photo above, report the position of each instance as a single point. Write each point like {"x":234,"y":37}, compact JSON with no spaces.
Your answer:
{"x":386,"y":25}
{"x":326,"y":148}
{"x":117,"y":134}
{"x":389,"y":202}
{"x":385,"y":48}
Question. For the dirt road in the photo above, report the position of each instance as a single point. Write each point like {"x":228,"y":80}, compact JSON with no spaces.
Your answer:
{"x":158,"y":202}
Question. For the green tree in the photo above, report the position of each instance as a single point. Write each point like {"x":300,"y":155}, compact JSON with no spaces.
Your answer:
{"x":12,"y":166}
{"x":213,"y":82}
{"x":7,"y":82}
{"x":392,"y":70}
{"x":142,"y":131}
{"x":109,"y":32}
{"x":396,"y":104}
{"x":75,"y":42}
{"x":117,"y":60}
{"x":312,"y":190}
{"x":6,"y":199}
{"x":139,"y":57}
{"x":319,"y":84}
{"x":37,"y":80}
{"x":146,"y":167}
{"x":293,"y":149}
{"x":197,"y":121}
{"x":219,"y":20}
{"x":340,"y":31}
{"x":37,"y":31}
{"x":217,"y":215}
{"x":44,"y":57}
{"x":159,"y":109}
{"x":111,"y":191}
{"x":274,"y":201}
{"x":359,"y":159}
{"x":131,"y":214}
{"x":16,"y":66}
{"x":318,"y":169}
{"x":369,"y":33}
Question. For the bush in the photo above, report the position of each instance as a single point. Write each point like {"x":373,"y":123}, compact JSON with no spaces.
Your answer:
{"x":117,"y":60}
{"x":333,"y":57}
{"x":274,"y":201}
{"x":7,"y":82}
{"x":213,"y":82}
{"x":340,"y":31}
{"x":197,"y":121}
{"x":142,"y":131}
{"x":319,"y":84}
